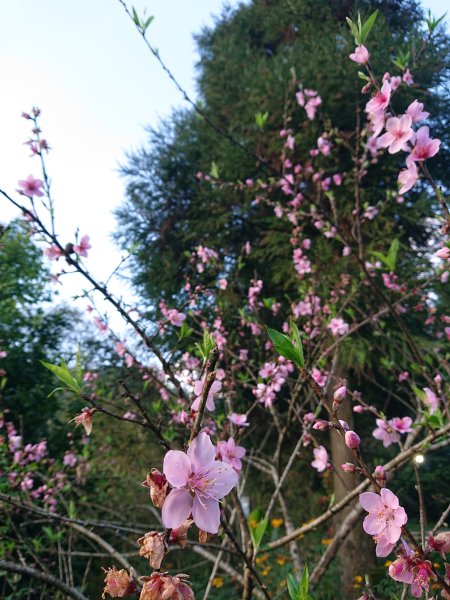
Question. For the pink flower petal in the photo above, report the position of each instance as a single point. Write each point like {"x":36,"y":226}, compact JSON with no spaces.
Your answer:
{"x":389,"y":498}
{"x":177,"y":468}
{"x":201,"y":452}
{"x":373,"y":524}
{"x":392,"y":532}
{"x":206,"y":514}
{"x":371,"y":502}
{"x":176,"y":508}
{"x":225,"y":479}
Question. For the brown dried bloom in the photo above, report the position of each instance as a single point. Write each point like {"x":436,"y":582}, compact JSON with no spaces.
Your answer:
{"x":153,"y":546}
{"x":157,"y":483}
{"x":118,"y":583}
{"x":179,"y":536}
{"x":161,"y":586}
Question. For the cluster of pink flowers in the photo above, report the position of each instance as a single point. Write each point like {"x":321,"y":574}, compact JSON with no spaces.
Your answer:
{"x":310,"y":101}
{"x":399,"y":133}
{"x":205,"y":255}
{"x":173,"y":316}
{"x":277,"y":373}
{"x":388,"y":431}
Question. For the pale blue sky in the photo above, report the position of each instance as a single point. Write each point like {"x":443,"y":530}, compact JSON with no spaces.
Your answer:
{"x":86,"y":67}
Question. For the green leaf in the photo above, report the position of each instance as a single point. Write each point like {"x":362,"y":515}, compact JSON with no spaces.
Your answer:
{"x":304,"y":583}
{"x":392,"y":254}
{"x":368,"y":26}
{"x":258,"y":532}
{"x":72,"y":509}
{"x":432,"y":22}
{"x":285,"y":347}
{"x":135,"y":17}
{"x":185,"y":331}
{"x":292,"y":587}
{"x":419,"y":393}
{"x":298,"y":342}
{"x":214,"y":172}
{"x":261,"y":119}
{"x":354,"y":29}
{"x":363,"y":76}
{"x":64,"y":375}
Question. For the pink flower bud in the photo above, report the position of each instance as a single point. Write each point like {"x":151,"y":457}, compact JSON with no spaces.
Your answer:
{"x":380,"y":476}
{"x":340,"y":394}
{"x":360,"y":55}
{"x":358,"y":408}
{"x":321,"y":425}
{"x":352,"y":440}
{"x":349,"y":467}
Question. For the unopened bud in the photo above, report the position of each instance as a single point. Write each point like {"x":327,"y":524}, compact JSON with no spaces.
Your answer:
{"x":380,"y":476}
{"x":358,"y":408}
{"x":349,"y":467}
{"x":340,"y":394}
{"x":321,"y":425}
{"x":352,"y":440}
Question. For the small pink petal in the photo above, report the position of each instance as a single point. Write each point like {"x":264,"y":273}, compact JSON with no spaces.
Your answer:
{"x":176,"y":508}
{"x":177,"y":468}
{"x":206,"y":514}
{"x":201,"y":452}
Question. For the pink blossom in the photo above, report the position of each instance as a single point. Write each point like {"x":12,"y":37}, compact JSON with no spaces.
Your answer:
{"x":120,"y":348}
{"x":320,"y":461}
{"x":238,"y":420}
{"x":385,"y":516}
{"x":175,"y":318}
{"x":395,"y":82}
{"x":338,"y":326}
{"x":199,"y":483}
{"x":320,"y":377}
{"x":31,"y":187}
{"x":403,"y":376}
{"x":53,"y":252}
{"x":352,"y":440}
{"x":376,"y":120}
{"x":360,"y":55}
{"x":408,"y":178}
{"x":84,"y":418}
{"x":443,"y":253}
{"x":381,"y":99}
{"x":402,"y":425}
{"x":416,"y":112}
{"x":340,"y":394}
{"x":83,"y":246}
{"x":431,"y":400}
{"x":385,"y":433}
{"x":398,"y":132}
{"x":424,"y":146}
{"x":407,"y":77}
{"x":214,"y":389}
{"x":230,"y":453}
{"x":222,"y":284}
{"x":370,"y":212}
